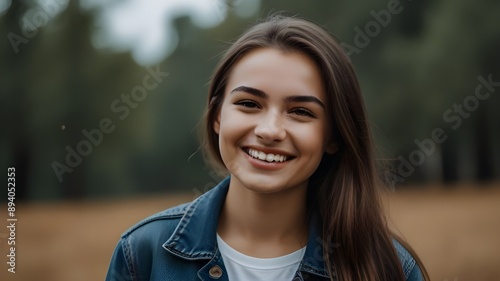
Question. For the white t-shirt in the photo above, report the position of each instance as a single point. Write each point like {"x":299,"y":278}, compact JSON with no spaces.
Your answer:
{"x":241,"y":267}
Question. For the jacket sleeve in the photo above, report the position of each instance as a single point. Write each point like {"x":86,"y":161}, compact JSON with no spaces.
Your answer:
{"x":410,"y":266}
{"x":415,"y":274}
{"x":119,"y":267}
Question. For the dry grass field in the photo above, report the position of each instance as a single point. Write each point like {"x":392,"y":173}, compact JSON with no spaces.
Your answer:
{"x":456,"y":233}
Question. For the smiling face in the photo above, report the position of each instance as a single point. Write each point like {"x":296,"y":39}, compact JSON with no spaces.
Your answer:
{"x":272,"y":124}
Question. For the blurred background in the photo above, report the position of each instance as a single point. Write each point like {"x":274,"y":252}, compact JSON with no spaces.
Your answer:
{"x":101,"y":103}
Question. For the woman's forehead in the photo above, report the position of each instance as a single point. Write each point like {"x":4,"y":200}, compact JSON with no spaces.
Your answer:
{"x":272,"y":70}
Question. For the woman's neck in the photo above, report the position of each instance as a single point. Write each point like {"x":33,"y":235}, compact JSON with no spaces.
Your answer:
{"x":264,"y":224}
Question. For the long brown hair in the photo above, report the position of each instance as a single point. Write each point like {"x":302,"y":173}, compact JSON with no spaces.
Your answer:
{"x":346,"y":183}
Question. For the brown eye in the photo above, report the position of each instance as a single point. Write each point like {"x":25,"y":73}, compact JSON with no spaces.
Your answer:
{"x":247,"y":104}
{"x":303,"y":112}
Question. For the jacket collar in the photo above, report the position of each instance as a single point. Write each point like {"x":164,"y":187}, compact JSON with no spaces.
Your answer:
{"x":195,"y":235}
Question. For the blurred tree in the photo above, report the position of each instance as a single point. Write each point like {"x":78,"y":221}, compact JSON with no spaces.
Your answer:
{"x":58,"y":86}
{"x":423,"y":62}
{"x":55,"y":84}
{"x":15,"y":144}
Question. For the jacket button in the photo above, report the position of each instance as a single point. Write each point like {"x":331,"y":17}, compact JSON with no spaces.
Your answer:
{"x":215,"y":272}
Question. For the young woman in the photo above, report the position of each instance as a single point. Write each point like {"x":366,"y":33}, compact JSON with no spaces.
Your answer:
{"x":286,"y":119}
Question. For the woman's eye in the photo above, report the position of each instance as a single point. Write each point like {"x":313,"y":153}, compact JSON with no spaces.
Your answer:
{"x":247,"y":103}
{"x":303,"y":112}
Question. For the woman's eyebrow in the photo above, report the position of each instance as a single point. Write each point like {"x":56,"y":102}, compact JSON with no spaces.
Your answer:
{"x":305,"y":99}
{"x":262,"y":94}
{"x":250,"y":90}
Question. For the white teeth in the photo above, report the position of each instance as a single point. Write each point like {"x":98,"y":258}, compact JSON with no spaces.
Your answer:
{"x":262,"y":155}
{"x":270,"y":157}
{"x":266,"y":157}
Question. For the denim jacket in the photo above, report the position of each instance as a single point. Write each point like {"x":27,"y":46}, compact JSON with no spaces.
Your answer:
{"x":180,"y":244}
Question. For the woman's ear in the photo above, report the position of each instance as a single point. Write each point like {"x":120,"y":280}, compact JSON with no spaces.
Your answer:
{"x":217,"y":124}
{"x":332,"y":148}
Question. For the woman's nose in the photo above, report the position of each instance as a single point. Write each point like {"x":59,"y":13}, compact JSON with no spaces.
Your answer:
{"x":271,"y":128}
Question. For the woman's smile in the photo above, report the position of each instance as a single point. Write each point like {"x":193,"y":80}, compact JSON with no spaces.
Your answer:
{"x":272,"y":160}
{"x":268,"y":157}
